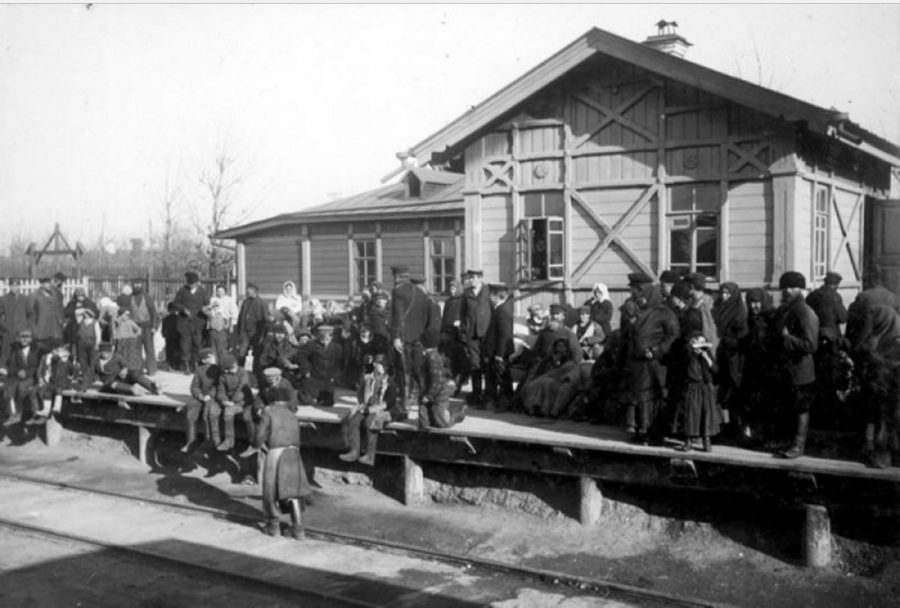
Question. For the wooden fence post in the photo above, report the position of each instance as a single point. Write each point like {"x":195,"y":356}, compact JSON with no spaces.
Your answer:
{"x":817,"y":536}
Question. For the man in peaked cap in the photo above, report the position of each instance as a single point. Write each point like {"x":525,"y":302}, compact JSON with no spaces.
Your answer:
{"x":409,"y":321}
{"x":828,"y":305}
{"x":497,"y":348}
{"x":799,"y":337}
{"x":320,"y":368}
{"x":190,"y":301}
{"x":667,"y":280}
{"x":475,"y":316}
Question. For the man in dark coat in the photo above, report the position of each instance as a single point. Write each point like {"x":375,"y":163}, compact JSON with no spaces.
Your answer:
{"x":251,"y":324}
{"x":320,"y":368}
{"x":828,"y":305}
{"x":15,"y":315}
{"x":19,"y":371}
{"x":189,"y":302}
{"x":143,"y":312}
{"x":452,"y":342}
{"x":497,"y":348}
{"x":409,"y":319}
{"x":799,"y":331}
{"x":475,"y":316}
{"x":648,"y":341}
{"x":47,"y":316}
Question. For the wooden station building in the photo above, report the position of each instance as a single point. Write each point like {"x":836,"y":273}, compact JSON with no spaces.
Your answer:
{"x":609,"y":157}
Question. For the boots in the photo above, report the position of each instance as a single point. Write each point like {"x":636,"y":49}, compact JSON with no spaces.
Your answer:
{"x":797,"y":448}
{"x":297,"y":530}
{"x":475,"y":397}
{"x":229,"y":435}
{"x":369,"y":458}
{"x":273,"y":527}
{"x":191,"y":435}
{"x":214,"y":436}
{"x":353,"y":454}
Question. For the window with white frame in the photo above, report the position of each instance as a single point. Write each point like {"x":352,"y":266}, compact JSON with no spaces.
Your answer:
{"x":443,"y":263}
{"x":693,"y":221}
{"x":364,"y":254}
{"x":541,"y":239}
{"x":820,"y":232}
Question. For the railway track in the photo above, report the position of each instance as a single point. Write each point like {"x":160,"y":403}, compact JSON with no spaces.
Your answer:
{"x":552,"y":579}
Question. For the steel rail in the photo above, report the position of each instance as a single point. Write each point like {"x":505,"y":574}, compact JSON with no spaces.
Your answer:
{"x":550,"y":577}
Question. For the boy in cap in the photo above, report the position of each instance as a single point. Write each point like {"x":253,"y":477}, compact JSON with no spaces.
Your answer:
{"x":233,"y":397}
{"x":87,"y":337}
{"x":320,"y":368}
{"x":798,"y":333}
{"x":373,"y":398}
{"x":203,"y":390}
{"x":284,"y":483}
{"x":497,"y":348}
{"x":55,"y":374}
{"x":273,"y":387}
{"x":20,"y":372}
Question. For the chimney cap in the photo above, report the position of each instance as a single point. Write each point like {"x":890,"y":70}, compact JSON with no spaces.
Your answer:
{"x":667,"y":39}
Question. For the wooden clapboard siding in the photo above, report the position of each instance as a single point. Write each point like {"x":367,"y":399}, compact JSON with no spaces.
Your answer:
{"x":750,"y":232}
{"x":272,"y":260}
{"x":498,"y":248}
{"x":329,"y":263}
{"x":802,"y":229}
{"x":403,"y":243}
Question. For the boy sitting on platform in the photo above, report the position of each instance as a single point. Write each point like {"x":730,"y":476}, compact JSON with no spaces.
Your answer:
{"x":114,"y":375}
{"x":56,"y":374}
{"x":203,"y":391}
{"x":274,"y":383}
{"x":436,"y":409}
{"x":375,"y":392}
{"x":233,"y":396}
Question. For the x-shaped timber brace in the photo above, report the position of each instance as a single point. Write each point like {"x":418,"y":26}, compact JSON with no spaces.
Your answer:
{"x":845,"y":231}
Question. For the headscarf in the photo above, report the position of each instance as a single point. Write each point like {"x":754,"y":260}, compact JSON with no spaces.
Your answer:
{"x":293,"y":302}
{"x":732,"y":311}
{"x":885,"y":326}
{"x":603,"y":290}
{"x":651,"y":294}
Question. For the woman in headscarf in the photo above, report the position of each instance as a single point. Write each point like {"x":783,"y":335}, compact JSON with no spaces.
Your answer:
{"x":601,"y":307}
{"x":649,"y":339}
{"x":289,"y":304}
{"x":760,"y":376}
{"x":730,"y":316}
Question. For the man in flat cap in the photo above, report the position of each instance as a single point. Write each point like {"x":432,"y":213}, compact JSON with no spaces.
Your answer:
{"x":251,"y":324}
{"x":798,"y":332}
{"x":667,"y":281}
{"x":828,"y":305}
{"x":475,"y":316}
{"x":320,"y":368}
{"x":47,"y":317}
{"x":19,"y":374}
{"x":452,"y":343}
{"x":497,"y":348}
{"x":409,"y":320}
{"x":15,"y":315}
{"x":190,"y":301}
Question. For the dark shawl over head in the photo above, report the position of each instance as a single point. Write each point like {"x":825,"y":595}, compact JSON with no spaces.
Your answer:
{"x":732,"y":312}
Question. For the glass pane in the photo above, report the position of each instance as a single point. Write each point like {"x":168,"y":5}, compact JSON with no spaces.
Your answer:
{"x":556,"y":272}
{"x":681,"y":197}
{"x":711,"y":271}
{"x":556,"y":248}
{"x":449,"y":268}
{"x":707,"y":247}
{"x":360,"y":249}
{"x":708,"y":220}
{"x":533,"y":205}
{"x":539,"y":249}
{"x":556,"y":225}
{"x":553,"y":203}
{"x":822,"y":200}
{"x":680,"y":247}
{"x":707,"y":197}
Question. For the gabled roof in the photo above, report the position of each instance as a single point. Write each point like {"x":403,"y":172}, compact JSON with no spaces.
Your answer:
{"x":386,"y":202}
{"x":596,"y":41}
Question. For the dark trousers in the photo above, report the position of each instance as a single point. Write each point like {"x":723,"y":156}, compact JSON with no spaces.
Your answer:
{"x":498,"y":379}
{"x":149,"y":351}
{"x":248,"y":342}
{"x":218,"y":341}
{"x":84,"y":356}
{"x":190,"y":335}
{"x":408,"y":373}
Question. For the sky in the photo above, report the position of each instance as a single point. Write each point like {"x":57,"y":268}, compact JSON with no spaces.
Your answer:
{"x":104,"y":109}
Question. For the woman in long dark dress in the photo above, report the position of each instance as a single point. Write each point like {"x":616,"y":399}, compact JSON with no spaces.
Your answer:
{"x":730,"y":316}
{"x":701,"y":414}
{"x":760,"y":373}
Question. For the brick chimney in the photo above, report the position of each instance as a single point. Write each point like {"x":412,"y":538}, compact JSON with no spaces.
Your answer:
{"x":668,"y":40}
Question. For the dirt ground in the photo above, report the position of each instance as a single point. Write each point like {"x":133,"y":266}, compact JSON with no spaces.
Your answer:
{"x":743,"y":554}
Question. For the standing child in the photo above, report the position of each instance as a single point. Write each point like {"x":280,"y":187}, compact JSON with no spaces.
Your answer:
{"x":87,"y":337}
{"x":284,"y":482}
{"x":203,"y":391}
{"x":56,"y":373}
{"x":127,"y":335}
{"x":699,"y":411}
{"x":375,"y":392}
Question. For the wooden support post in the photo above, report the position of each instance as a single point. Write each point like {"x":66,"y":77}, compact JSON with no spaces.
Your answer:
{"x":143,"y":444}
{"x":817,"y":537}
{"x":413,"y":482}
{"x":590,"y":501}
{"x":52,"y":432}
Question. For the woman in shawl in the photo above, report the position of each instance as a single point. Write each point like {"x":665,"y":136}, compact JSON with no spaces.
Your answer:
{"x":649,"y":339}
{"x":590,"y":335}
{"x":730,"y":316}
{"x":289,"y":304}
{"x":601,"y":307}
{"x":760,"y":377}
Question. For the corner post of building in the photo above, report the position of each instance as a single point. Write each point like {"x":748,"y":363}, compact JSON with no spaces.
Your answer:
{"x":590,"y":501}
{"x":241,"y":256}
{"x":413,"y":482}
{"x":816,"y":536}
{"x":783,"y":196}
{"x":568,"y":226}
{"x":351,"y":262}
{"x":662,"y":193}
{"x":458,"y":262}
{"x":426,"y":252}
{"x":724,"y":218}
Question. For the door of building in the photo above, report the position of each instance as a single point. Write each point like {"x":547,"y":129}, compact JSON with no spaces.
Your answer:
{"x":883,"y":241}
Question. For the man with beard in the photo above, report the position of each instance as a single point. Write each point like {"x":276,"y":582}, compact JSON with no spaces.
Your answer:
{"x":189,"y":302}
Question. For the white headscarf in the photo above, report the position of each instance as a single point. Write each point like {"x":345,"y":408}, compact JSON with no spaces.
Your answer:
{"x":603,"y":290}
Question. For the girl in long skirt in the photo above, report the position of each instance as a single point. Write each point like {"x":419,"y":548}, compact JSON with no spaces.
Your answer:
{"x":700,"y":413}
